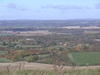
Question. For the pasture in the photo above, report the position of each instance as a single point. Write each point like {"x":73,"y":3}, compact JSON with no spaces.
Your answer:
{"x":4,"y":60}
{"x":35,"y":46}
{"x":85,"y":58}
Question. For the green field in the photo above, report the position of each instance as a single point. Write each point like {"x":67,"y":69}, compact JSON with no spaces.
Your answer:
{"x":4,"y":60}
{"x":6,"y":34}
{"x":43,"y":55}
{"x":85,"y":58}
{"x":36,"y":46}
{"x":3,"y":46}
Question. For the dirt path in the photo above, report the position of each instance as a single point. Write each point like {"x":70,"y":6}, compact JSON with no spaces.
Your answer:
{"x":26,"y":65}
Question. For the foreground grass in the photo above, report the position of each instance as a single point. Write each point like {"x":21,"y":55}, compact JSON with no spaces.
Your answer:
{"x":52,"y":72}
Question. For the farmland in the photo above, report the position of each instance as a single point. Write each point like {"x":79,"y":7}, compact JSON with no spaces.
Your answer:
{"x":88,"y":58}
{"x":47,"y":48}
{"x":47,"y":23}
{"x":24,"y":33}
{"x":4,"y":60}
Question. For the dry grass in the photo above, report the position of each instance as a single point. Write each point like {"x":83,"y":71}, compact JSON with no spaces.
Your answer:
{"x":30,"y":66}
{"x":57,"y":69}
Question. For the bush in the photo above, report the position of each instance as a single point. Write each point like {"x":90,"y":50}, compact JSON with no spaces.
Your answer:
{"x":31,"y":58}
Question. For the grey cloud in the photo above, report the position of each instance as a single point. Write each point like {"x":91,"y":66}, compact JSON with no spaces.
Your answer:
{"x":66,"y":7}
{"x":97,"y":6}
{"x":14,"y":6}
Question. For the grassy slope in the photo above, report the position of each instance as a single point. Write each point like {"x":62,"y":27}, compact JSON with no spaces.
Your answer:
{"x":82,"y":58}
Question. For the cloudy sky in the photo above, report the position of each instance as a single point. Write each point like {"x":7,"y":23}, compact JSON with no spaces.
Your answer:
{"x":49,"y":9}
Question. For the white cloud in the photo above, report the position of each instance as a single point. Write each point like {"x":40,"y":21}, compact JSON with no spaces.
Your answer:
{"x":66,"y":7}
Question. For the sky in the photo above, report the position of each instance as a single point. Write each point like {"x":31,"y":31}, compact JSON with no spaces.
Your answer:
{"x":49,"y":9}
